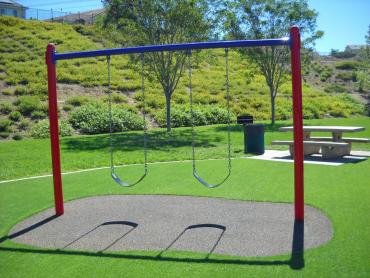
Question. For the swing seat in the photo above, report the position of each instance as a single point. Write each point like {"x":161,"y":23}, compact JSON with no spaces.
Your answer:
{"x":125,"y":184}
{"x":208,"y":185}
{"x":119,"y":181}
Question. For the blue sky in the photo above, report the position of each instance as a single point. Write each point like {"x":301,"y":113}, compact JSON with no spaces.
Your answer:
{"x":343,"y":21}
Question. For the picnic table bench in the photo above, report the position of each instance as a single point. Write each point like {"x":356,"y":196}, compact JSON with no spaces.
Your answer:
{"x":331,"y":147}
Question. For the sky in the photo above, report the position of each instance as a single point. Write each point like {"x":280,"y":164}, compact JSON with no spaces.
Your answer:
{"x":344,"y":22}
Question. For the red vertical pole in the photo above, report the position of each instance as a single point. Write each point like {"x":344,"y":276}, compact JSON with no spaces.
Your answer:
{"x":54,"y":129}
{"x":295,"y":41}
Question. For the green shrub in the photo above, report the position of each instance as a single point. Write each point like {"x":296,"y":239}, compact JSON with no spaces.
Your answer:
{"x":335,"y":88}
{"x":116,"y":98}
{"x":326,"y":74}
{"x":15,"y":116}
{"x":78,"y":100}
{"x":367,"y":109}
{"x":67,"y":107}
{"x":44,"y":107}
{"x":282,"y":112}
{"x":37,"y":115}
{"x":27,"y":104}
{"x":37,"y":89}
{"x":203,"y":115}
{"x":311,"y":111}
{"x":346,"y":76}
{"x":363,"y":81}
{"x":93,"y":118}
{"x":6,"y":108}
{"x":128,"y":107}
{"x":4,"y":134}
{"x":24,"y":124}
{"x":17,"y":137}
{"x":317,"y":67}
{"x":7,"y":92}
{"x":20,"y":91}
{"x":5,"y":125}
{"x":41,"y":129}
{"x":347,"y":65}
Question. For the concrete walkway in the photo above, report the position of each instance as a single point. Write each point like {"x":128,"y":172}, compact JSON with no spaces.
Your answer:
{"x":284,"y":156}
{"x":161,"y":222}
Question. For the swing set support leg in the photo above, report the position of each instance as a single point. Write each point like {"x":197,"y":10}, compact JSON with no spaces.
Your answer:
{"x":297,"y":123}
{"x":54,"y":130}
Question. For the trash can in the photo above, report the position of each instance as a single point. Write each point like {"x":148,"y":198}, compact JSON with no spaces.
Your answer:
{"x":253,"y":135}
{"x":254,"y":139}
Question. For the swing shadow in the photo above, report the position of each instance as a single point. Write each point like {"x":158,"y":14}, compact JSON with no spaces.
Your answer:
{"x":197,"y":226}
{"x":296,"y":261}
{"x":133,"y":226}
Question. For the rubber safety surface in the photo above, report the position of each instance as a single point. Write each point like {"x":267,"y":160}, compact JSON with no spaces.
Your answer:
{"x":161,"y":222}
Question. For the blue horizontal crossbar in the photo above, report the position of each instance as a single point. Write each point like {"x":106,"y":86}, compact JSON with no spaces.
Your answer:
{"x":172,"y":47}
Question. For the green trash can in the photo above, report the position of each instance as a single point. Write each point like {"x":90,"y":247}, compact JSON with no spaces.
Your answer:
{"x":254,"y":141}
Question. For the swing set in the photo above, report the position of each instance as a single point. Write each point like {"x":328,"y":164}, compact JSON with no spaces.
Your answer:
{"x":293,"y":41}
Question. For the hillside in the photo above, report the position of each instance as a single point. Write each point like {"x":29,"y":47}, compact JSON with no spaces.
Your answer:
{"x":23,"y":86}
{"x":341,"y":75}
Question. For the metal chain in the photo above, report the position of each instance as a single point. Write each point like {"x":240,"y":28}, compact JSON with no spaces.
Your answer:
{"x":110,"y":117}
{"x":191,"y":111}
{"x":227,"y":84}
{"x":115,"y":177}
{"x":228,"y":108}
{"x":144,"y":114}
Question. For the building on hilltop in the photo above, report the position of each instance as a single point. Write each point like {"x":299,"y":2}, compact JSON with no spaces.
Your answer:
{"x":12,"y":8}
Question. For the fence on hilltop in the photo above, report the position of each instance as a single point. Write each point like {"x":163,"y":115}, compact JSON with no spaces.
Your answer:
{"x":88,"y":17}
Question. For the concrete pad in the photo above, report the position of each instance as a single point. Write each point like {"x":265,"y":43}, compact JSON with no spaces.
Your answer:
{"x":158,"y":222}
{"x":284,"y":156}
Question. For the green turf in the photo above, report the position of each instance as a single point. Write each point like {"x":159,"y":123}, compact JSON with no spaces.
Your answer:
{"x":341,"y":192}
{"x":32,"y":157}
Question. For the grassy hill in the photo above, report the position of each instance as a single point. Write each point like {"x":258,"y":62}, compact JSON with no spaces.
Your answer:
{"x":23,"y":86}
{"x":341,"y":75}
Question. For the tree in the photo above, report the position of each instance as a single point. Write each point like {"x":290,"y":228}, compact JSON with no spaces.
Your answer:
{"x":263,"y":19}
{"x":153,"y":22}
{"x":367,"y":37}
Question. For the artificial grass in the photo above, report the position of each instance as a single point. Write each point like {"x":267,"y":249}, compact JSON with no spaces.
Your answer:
{"x":341,"y":192}
{"x":32,"y":157}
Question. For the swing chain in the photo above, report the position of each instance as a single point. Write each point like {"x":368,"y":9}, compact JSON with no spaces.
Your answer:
{"x":113,"y":174}
{"x":228,"y":108}
{"x":143,"y":111}
{"x":195,"y":173}
{"x":191,"y":110}
{"x":110,"y":116}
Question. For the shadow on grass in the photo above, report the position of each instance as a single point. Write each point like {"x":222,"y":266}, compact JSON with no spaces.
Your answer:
{"x":296,"y":261}
{"x":133,"y":141}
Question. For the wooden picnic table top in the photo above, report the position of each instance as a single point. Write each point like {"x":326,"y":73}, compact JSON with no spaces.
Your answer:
{"x":326,"y":128}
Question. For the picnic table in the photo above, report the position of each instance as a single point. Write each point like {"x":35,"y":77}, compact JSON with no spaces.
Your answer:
{"x":331,"y":147}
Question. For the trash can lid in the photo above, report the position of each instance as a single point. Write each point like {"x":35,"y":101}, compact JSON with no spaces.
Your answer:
{"x":244,"y":119}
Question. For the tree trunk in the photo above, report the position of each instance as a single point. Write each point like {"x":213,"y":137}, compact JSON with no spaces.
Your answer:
{"x":272,"y":99}
{"x":168,"y":111}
